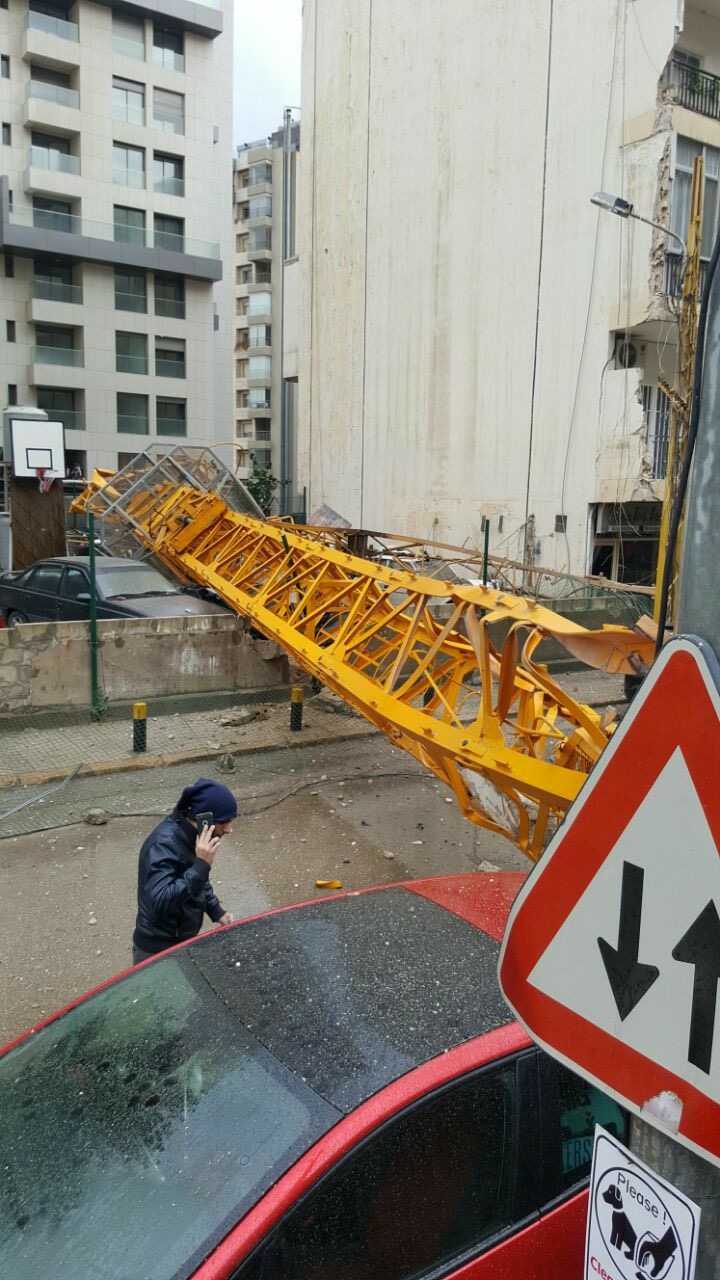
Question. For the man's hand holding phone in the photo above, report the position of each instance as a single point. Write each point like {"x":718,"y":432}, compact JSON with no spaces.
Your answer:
{"x":207,"y":843}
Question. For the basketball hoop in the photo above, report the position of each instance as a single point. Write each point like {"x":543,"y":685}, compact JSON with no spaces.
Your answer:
{"x":45,"y":479}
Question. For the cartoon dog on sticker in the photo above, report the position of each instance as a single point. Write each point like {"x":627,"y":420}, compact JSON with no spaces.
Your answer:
{"x":624,"y":1235}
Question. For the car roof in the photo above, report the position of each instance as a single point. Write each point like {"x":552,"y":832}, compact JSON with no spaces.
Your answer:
{"x":154,"y":1113}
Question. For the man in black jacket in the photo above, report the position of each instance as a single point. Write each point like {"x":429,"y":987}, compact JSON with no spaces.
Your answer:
{"x":174,"y":889}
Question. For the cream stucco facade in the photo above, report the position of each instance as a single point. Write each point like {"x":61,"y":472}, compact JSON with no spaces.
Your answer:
{"x":116,"y":221}
{"x":462,"y":300}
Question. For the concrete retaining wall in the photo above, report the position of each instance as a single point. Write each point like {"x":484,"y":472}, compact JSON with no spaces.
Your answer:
{"x":48,"y":664}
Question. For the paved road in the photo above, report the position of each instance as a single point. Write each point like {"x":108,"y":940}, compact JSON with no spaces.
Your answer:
{"x":326,"y":812}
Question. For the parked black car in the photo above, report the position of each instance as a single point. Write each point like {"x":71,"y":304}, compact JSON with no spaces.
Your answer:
{"x":58,"y":590}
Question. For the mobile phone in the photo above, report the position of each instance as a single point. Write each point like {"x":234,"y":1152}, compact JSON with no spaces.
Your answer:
{"x":205,"y":820}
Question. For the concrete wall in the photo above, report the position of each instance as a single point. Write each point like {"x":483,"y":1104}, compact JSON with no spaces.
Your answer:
{"x":450,"y":255}
{"x":47,"y":664}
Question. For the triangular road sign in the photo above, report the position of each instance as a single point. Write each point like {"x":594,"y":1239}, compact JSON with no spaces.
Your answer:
{"x":611,"y":956}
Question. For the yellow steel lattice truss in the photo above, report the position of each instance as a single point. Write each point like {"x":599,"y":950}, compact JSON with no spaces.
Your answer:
{"x":478,"y":711}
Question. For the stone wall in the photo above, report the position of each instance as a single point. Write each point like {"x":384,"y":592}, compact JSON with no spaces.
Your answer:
{"x":48,"y":664}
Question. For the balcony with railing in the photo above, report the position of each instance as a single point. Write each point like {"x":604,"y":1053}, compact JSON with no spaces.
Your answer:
{"x":656,"y":408}
{"x":673,"y":277}
{"x":68,"y":357}
{"x":72,"y":419}
{"x":27,"y":230}
{"x":165,"y":368}
{"x":131,"y":364}
{"x":57,"y":291}
{"x":694,"y":89}
{"x":49,"y":158}
{"x":169,"y":186}
{"x":35,"y":21}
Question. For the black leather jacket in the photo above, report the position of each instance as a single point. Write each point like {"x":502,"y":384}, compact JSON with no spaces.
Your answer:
{"x":174,"y":888}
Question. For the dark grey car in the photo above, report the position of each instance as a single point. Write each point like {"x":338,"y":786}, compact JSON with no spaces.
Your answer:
{"x":58,"y":590}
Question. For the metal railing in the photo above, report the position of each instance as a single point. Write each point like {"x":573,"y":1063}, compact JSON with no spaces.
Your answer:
{"x":262,"y":433}
{"x":131,"y":364}
{"x":261,"y":308}
{"x":673,"y":278}
{"x":53,"y":93}
{"x":129,"y":178}
{"x":130,"y":301}
{"x":49,"y":158}
{"x":26,"y":216}
{"x":169,"y":368}
{"x":52,"y":26}
{"x":695,"y":89}
{"x":67,"y":356}
{"x":169,"y":186}
{"x":172,"y":307}
{"x":57,"y":291}
{"x":260,"y":239}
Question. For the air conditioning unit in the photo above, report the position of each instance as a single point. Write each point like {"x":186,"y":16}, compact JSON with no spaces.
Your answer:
{"x":628,"y":353}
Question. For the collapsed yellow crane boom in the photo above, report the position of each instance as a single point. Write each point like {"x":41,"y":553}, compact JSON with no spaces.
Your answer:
{"x":472,"y":706}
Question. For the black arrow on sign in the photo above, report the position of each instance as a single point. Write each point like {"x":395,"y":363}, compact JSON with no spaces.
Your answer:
{"x":701,"y":946}
{"x":629,"y":979}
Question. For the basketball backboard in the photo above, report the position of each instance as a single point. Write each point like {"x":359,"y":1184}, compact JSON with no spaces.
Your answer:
{"x":36,"y":445}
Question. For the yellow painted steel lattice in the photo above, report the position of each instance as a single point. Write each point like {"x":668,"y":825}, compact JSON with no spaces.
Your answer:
{"x":463,"y":694}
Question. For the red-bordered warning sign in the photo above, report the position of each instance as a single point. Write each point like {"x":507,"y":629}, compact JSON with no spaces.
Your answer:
{"x":611,"y":956}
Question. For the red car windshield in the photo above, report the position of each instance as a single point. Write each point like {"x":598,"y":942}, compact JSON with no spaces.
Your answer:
{"x":138,"y":1128}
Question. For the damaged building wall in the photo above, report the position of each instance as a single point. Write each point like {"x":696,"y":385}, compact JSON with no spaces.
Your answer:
{"x":459,"y":290}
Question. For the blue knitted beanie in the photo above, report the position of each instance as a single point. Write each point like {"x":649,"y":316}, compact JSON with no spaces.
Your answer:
{"x":205,"y":796}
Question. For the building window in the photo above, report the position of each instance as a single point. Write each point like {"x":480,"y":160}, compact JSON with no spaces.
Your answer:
{"x":128,"y":37}
{"x":168,"y":49}
{"x":4,"y":67}
{"x":171,"y":417}
{"x":6,"y":134}
{"x":55,"y":344}
{"x":682,"y":183}
{"x":170,"y":357}
{"x":128,"y":165}
{"x":259,"y":367}
{"x":263,"y":273}
{"x":258,"y":173}
{"x":128,"y":101}
{"x":129,"y":225}
{"x":9,"y":266}
{"x":53,"y":86}
{"x":53,"y":281}
{"x":130,"y":291}
{"x":260,"y":238}
{"x":131,"y":353}
{"x":12,"y":393}
{"x":60,"y":404}
{"x":52,"y":215}
{"x":10,"y":330}
{"x":132,"y":414}
{"x":169,"y":111}
{"x":169,"y":233}
{"x":257,"y":398}
{"x":260,"y":207}
{"x":259,"y":335}
{"x":260,"y":304}
{"x":168,"y":174}
{"x":51,"y":151}
{"x":170,"y":297}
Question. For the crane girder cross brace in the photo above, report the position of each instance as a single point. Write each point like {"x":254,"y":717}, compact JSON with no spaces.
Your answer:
{"x":482,"y":715}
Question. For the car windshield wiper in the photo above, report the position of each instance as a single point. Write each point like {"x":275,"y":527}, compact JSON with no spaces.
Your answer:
{"x":138,"y":595}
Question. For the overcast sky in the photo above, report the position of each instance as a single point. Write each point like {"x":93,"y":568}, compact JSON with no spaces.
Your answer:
{"x":267,"y":65}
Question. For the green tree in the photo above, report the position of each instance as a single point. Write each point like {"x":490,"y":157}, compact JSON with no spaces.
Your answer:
{"x":262,"y":484}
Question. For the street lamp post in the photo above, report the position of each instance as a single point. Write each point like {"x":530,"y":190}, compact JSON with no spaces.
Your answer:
{"x":624,"y":209}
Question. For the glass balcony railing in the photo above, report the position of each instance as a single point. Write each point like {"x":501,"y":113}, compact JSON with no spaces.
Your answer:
{"x":128,"y":48}
{"x":168,"y":58}
{"x":48,"y":158}
{"x":133,"y":424}
{"x":171,"y":427}
{"x":72,"y":419}
{"x":56,"y":93}
{"x":131,"y":364}
{"x":128,"y":112}
{"x":130,"y":301}
{"x":72,"y":224}
{"x":169,"y":126}
{"x":51,"y":26}
{"x":170,"y":186}
{"x":129,"y":178}
{"x":171,"y":307}
{"x":57,"y":291}
{"x":57,"y":355}
{"x":259,"y":305}
{"x":169,"y":368}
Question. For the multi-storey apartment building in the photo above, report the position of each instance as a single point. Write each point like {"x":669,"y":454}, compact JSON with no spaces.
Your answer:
{"x":265,"y":174}
{"x":476,"y":339}
{"x":116,"y":220}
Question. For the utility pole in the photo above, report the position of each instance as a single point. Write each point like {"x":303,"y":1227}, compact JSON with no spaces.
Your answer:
{"x":285,"y":391}
{"x":699,"y":615}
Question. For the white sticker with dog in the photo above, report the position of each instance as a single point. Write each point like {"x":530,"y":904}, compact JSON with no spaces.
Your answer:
{"x":639,"y":1227}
